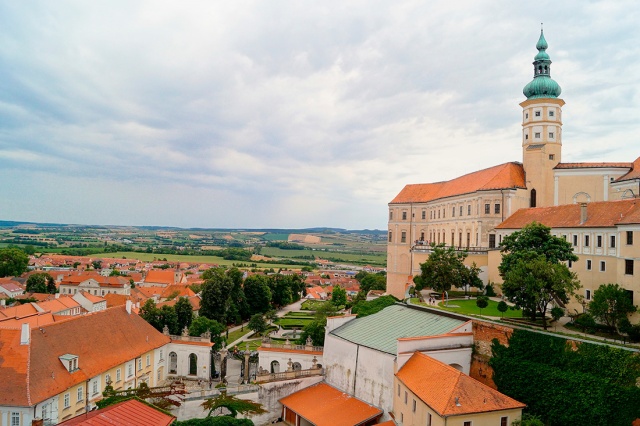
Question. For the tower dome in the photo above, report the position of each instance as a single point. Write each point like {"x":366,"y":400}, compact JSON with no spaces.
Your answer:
{"x":542,"y":85}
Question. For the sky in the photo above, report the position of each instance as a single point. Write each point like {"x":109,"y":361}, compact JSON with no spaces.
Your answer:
{"x":290,"y":114}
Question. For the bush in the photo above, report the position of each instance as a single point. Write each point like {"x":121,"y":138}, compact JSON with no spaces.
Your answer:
{"x":585,"y":322}
{"x":489,"y":291}
{"x":634,"y":333}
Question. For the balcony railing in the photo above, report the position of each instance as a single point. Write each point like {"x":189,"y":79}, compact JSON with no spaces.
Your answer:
{"x":424,"y":247}
{"x":267,"y":343}
{"x":263,"y":376}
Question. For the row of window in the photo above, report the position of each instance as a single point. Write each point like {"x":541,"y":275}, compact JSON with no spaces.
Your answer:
{"x":80,"y":390}
{"x":538,"y":135}
{"x":600,"y":240}
{"x":437,"y":214}
{"x":434,"y":237}
{"x":538,"y":113}
{"x":628,"y":266}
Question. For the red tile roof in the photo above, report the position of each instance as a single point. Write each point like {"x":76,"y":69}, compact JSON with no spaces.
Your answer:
{"x":35,"y":373}
{"x":161,"y":276}
{"x":599,"y":214}
{"x":324,"y":405}
{"x":634,"y":173}
{"x":448,"y":391}
{"x":127,"y":413}
{"x":593,"y":165}
{"x":503,"y":176}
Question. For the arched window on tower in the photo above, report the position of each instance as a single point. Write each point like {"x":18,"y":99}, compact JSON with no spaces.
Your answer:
{"x":533,"y":198}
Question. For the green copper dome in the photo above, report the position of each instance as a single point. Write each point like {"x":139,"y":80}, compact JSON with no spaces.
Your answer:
{"x":542,"y":86}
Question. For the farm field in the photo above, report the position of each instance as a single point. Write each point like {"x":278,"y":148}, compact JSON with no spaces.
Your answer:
{"x":148,"y":257}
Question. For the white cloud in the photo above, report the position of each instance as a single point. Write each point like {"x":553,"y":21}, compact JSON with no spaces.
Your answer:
{"x":290,"y":114}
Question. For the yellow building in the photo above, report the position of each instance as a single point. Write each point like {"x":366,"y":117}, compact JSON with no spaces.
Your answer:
{"x":605,"y":236}
{"x":466,"y":211}
{"x":429,"y":392}
{"x":59,"y":370}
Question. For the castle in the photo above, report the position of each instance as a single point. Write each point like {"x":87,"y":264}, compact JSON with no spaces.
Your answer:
{"x":475,"y":211}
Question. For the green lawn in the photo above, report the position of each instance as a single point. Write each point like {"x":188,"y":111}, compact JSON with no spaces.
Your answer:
{"x":235,"y":335}
{"x":293,"y":322}
{"x":462,"y":306}
{"x":312,"y":305}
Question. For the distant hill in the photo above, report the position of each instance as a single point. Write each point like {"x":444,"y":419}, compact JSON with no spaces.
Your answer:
{"x":324,"y":230}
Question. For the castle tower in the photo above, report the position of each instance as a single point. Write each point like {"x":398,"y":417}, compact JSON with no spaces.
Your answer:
{"x":541,"y":129}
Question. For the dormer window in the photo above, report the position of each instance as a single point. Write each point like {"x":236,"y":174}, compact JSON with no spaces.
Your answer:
{"x":70,"y":362}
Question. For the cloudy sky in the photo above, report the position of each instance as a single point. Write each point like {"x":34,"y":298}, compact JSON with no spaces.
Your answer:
{"x":289,"y":113}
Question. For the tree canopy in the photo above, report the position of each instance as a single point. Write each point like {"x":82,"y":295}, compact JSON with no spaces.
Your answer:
{"x":339,"y":296}
{"x":568,"y":384}
{"x":215,"y":294}
{"x":369,"y":282}
{"x":533,"y":283}
{"x":41,"y":282}
{"x":13,"y":262}
{"x":445,"y":268}
{"x":611,"y":304}
{"x":530,"y":242}
{"x":258,"y":294}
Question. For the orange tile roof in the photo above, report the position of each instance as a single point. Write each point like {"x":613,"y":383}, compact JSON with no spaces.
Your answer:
{"x":593,"y":165}
{"x":599,"y":214}
{"x":634,"y":173}
{"x":503,"y":176}
{"x":35,"y":372}
{"x":324,"y":405}
{"x":34,"y":320}
{"x":130,"y":413}
{"x":116,"y":299}
{"x":161,"y":276}
{"x":448,"y":391}
{"x":17,"y":311}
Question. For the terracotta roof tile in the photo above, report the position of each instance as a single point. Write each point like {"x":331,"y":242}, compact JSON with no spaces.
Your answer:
{"x":634,"y":173}
{"x":593,"y":165}
{"x":503,"y":176}
{"x":599,"y":214}
{"x":448,"y":391}
{"x":324,"y":405}
{"x":129,"y":337}
{"x":130,"y":413}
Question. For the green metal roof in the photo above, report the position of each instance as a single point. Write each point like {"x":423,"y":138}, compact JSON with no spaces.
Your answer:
{"x":542,"y":86}
{"x":381,"y":331}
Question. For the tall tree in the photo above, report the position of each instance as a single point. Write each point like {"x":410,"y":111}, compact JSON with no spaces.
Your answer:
{"x":201,"y":325}
{"x":169,"y":318}
{"x":238,"y":306}
{"x":258,"y":294}
{"x":215,"y":295}
{"x":444,"y":269}
{"x":184,"y":312}
{"x":13,"y":262}
{"x":373,"y":282}
{"x":532,"y":284}
{"x":611,"y":304}
{"x":281,"y":293}
{"x":151,"y":314}
{"x":41,"y":282}
{"x":339,"y":296}
{"x":257,"y":323}
{"x":532,"y":241}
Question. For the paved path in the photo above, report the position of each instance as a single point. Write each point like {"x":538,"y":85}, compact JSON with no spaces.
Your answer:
{"x":554,"y":327}
{"x":296,"y":306}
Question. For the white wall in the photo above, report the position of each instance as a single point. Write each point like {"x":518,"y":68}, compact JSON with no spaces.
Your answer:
{"x":183,"y":351}
{"x":304,"y":358}
{"x":339,"y":362}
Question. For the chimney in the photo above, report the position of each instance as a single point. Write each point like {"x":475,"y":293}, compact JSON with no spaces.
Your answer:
{"x":583,"y":213}
{"x":25,"y":334}
{"x":129,"y":303}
